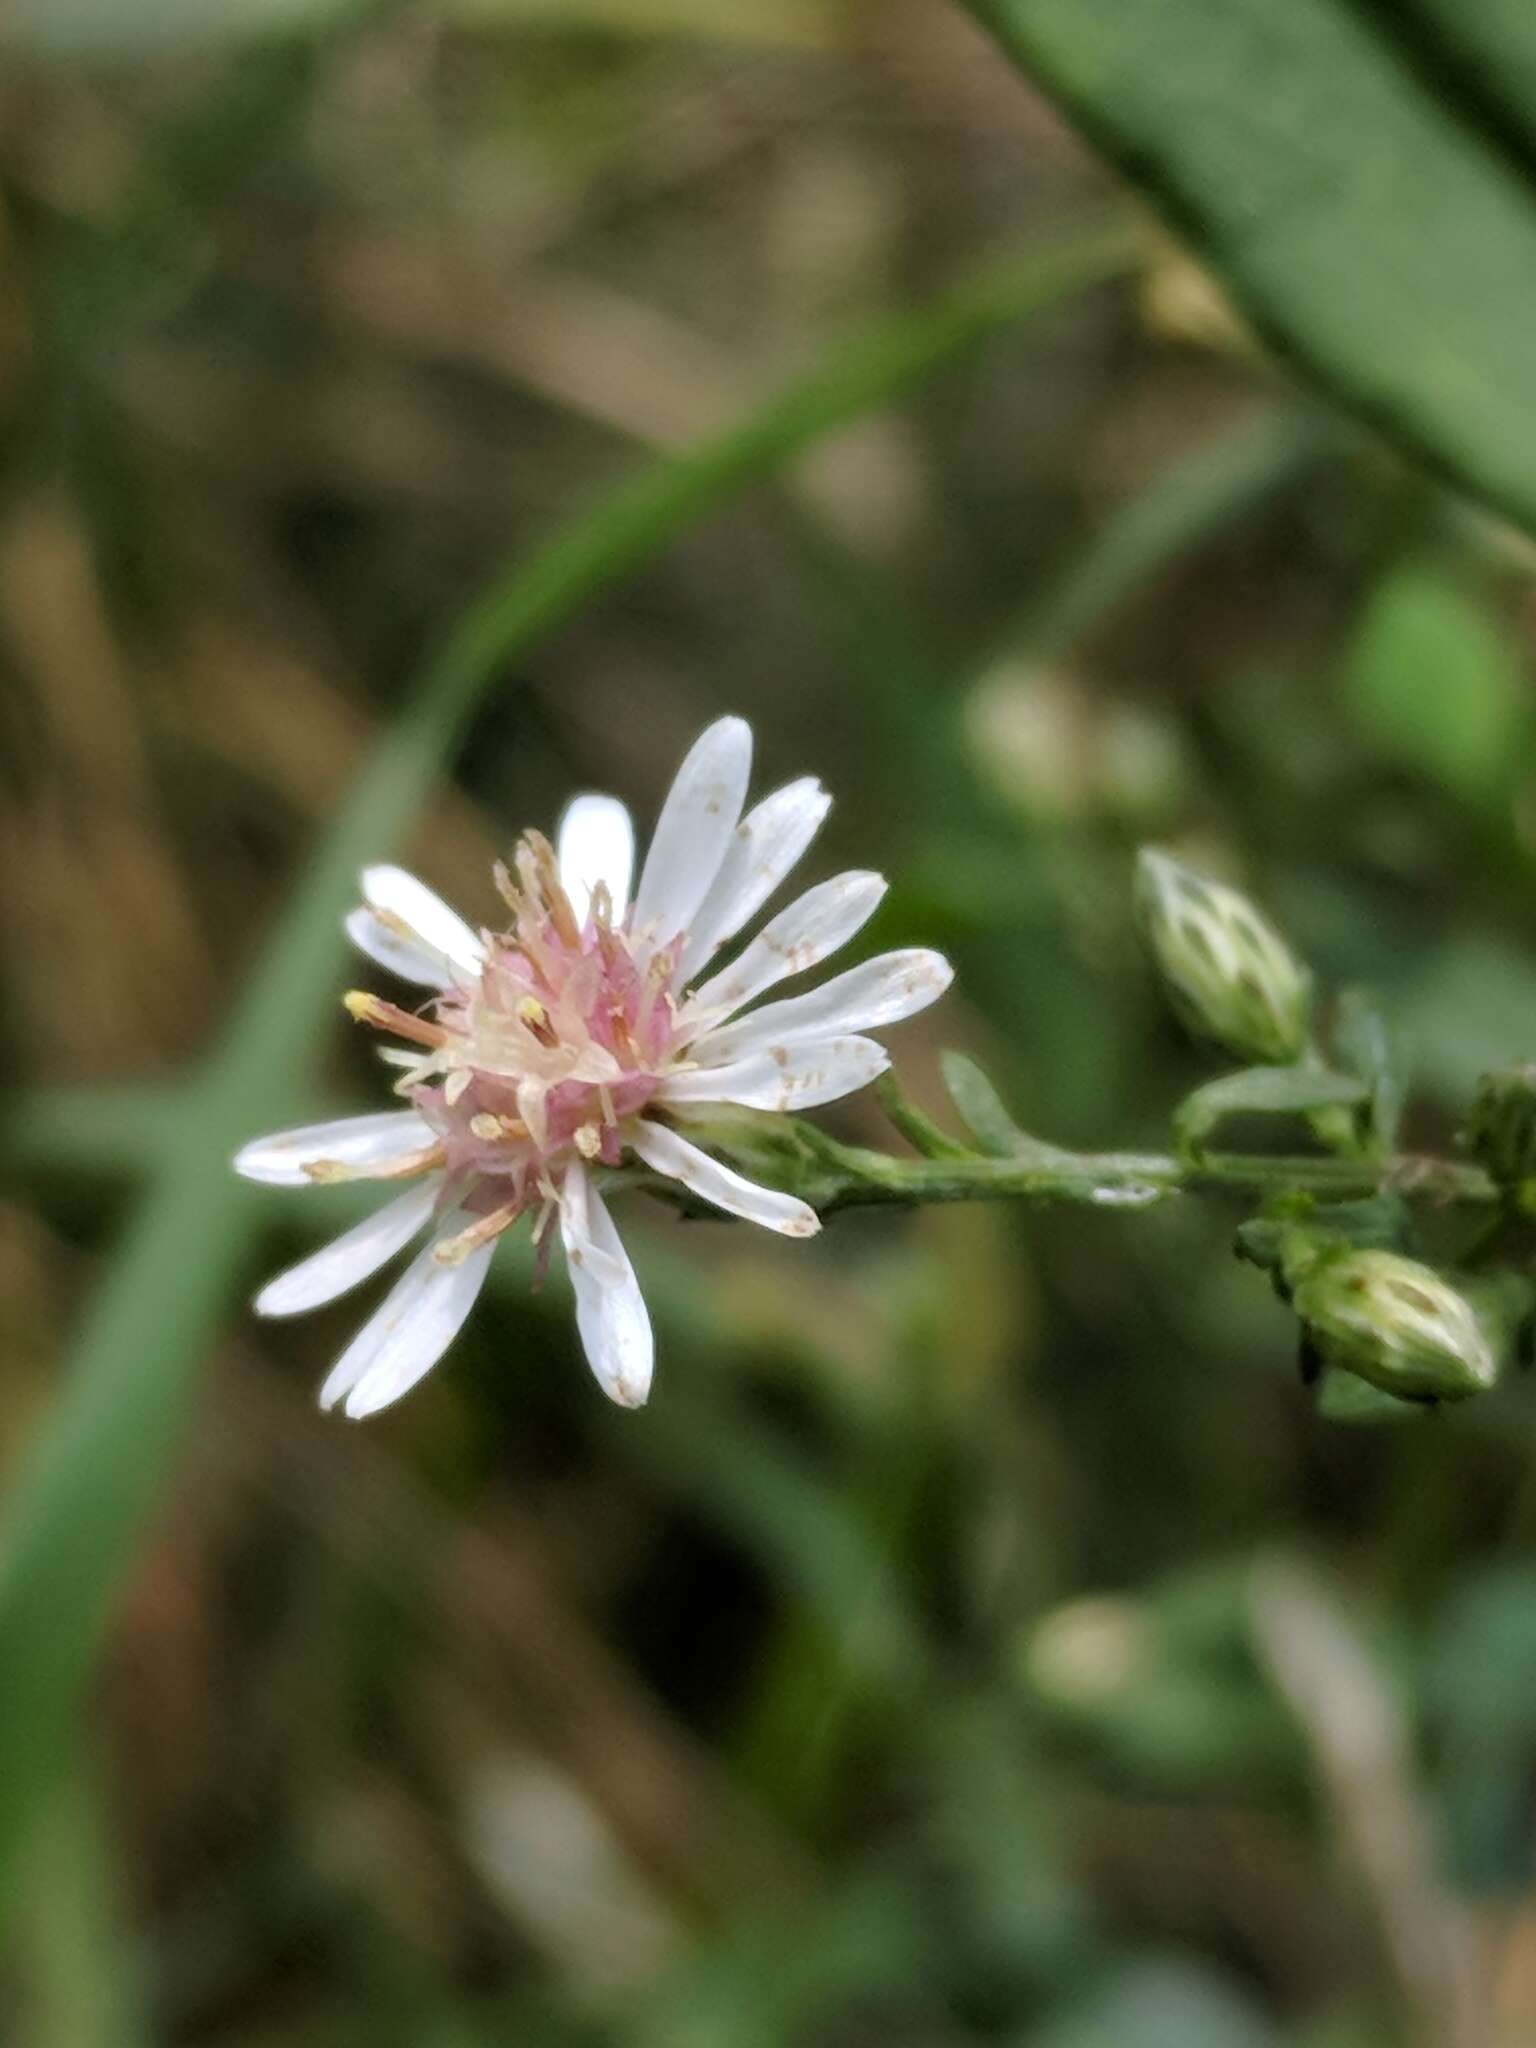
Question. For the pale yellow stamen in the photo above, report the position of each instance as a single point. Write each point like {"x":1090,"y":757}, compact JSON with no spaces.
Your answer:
{"x":453,"y":1251}
{"x":326,"y":1171}
{"x":369,"y":1009}
{"x":589,"y":1140}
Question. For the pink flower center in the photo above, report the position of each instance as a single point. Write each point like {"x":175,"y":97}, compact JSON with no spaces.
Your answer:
{"x":564,"y":1035}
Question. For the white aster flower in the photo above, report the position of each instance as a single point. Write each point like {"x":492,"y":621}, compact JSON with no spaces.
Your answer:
{"x":590,"y":1029}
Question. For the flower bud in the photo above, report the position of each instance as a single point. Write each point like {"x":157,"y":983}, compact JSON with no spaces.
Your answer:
{"x":1501,"y":1125}
{"x":1397,"y":1324}
{"x":1227,"y":971}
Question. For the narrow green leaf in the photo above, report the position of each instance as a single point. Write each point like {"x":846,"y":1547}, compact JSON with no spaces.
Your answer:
{"x":1372,"y":228}
{"x":77,"y":1969}
{"x":1261,"y":1091}
{"x":981,"y":1107}
{"x":76,"y":1505}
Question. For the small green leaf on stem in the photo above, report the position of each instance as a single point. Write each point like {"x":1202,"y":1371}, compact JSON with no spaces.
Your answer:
{"x":972,"y":1092}
{"x":1261,"y":1091}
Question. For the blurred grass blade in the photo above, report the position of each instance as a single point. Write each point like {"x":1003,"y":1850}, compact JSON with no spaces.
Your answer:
{"x":101,"y":29}
{"x":118,"y":1131}
{"x":1373,"y":228}
{"x":77,"y":1977}
{"x":76,"y":1506}
{"x":1202,"y":493}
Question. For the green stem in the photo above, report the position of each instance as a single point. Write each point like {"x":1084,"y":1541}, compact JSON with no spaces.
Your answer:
{"x":837,"y":1176}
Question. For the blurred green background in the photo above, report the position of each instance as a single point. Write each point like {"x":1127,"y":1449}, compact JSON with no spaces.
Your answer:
{"x":407,"y":417}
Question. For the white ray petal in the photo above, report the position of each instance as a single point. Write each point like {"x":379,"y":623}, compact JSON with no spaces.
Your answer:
{"x":341,"y":1265}
{"x":595,"y":843}
{"x":611,"y":1316}
{"x":764,"y":847}
{"x":419,"y":913}
{"x":877,"y":992}
{"x":793,"y":1077}
{"x":408,"y":1333}
{"x":358,"y":1142}
{"x":672,"y":1155}
{"x":576,"y":1197}
{"x":693,"y":831}
{"x":813,"y":926}
{"x":404,"y":956}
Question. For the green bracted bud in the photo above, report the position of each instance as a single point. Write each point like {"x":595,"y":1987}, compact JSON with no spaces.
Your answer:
{"x":1397,"y":1324}
{"x":1501,"y":1125}
{"x":1227,"y":971}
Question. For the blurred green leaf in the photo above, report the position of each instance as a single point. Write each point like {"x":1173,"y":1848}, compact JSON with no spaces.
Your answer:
{"x":75,"y":1507}
{"x":1371,"y":226}
{"x":771,"y":1984}
{"x":1166,"y":1687}
{"x":1487,"y":54}
{"x":1479,"y":1678}
{"x":1261,"y":1091}
{"x":1435,"y":687}
{"x":1469,"y":1008}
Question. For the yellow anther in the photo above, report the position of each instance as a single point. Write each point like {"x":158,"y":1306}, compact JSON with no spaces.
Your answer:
{"x":364,"y":1008}
{"x":532,"y":1012}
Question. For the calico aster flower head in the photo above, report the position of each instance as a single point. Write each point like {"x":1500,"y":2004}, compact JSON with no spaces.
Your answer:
{"x":587,"y":1031}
